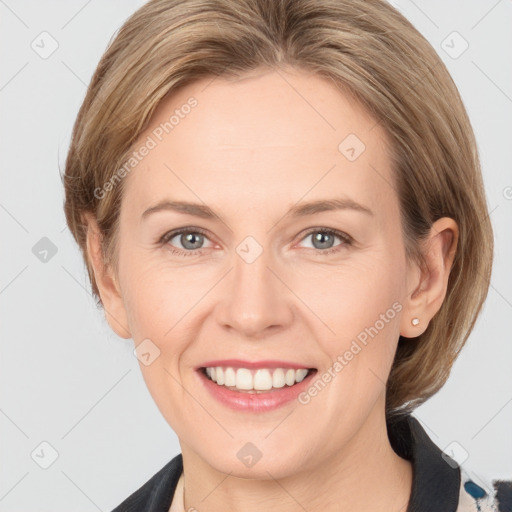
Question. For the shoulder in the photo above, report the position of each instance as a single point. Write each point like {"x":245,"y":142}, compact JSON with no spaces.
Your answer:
{"x":439,"y":482}
{"x":477,"y":494}
{"x":156,"y":494}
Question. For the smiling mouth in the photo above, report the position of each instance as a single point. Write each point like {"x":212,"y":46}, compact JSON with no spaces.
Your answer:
{"x":252,"y":381}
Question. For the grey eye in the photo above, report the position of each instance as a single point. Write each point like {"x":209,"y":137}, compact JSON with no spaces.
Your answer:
{"x":322,"y":240}
{"x":191,"y":240}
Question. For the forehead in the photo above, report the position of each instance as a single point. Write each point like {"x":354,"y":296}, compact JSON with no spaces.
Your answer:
{"x":271,"y":135}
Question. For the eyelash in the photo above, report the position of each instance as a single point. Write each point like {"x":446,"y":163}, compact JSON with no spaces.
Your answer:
{"x":346,"y":239}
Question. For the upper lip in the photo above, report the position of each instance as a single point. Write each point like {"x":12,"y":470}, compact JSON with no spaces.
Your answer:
{"x":239,"y":363}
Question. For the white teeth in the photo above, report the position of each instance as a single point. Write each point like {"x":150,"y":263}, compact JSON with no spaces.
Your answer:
{"x":243,"y":379}
{"x":300,"y":375}
{"x":229,"y":377}
{"x":262,"y":379}
{"x":278,"y":378}
{"x":289,"y":378}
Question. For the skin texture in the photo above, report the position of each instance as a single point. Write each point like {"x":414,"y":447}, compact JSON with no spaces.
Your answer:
{"x":250,"y":150}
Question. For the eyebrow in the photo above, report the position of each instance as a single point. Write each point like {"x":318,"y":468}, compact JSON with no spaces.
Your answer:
{"x":299,"y":210}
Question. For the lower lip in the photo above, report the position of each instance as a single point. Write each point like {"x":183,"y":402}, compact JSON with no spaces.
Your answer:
{"x":255,"y":402}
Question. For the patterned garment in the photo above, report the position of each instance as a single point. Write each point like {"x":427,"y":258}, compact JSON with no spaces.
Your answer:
{"x":483,"y":496}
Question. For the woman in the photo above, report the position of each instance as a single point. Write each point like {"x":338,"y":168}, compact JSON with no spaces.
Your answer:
{"x":281,"y":203}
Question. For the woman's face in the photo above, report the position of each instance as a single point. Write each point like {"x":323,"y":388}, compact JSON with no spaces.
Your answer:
{"x":253,"y":278}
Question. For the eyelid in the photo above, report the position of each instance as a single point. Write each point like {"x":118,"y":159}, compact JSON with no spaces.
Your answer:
{"x":169,"y":235}
{"x":324,"y":229}
{"x":346,"y":239}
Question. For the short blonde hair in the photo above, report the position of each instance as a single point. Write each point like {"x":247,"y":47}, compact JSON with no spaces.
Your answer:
{"x":364,"y":47}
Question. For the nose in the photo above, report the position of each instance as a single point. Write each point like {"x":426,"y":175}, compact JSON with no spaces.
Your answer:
{"x":255,"y":300}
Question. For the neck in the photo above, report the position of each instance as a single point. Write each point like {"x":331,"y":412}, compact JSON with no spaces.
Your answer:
{"x":366,"y":475}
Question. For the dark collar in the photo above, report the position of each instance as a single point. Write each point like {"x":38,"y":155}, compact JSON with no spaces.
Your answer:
{"x":435,"y":485}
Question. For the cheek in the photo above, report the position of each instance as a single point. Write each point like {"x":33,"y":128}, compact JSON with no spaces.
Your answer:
{"x":362,"y":308}
{"x":157,"y":302}
{"x":156,"y":295}
{"x":351,"y":296}
{"x":155,"y":309}
{"x":360,"y":360}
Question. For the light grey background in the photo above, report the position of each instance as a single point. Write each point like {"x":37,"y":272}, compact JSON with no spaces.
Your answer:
{"x":67,"y":380}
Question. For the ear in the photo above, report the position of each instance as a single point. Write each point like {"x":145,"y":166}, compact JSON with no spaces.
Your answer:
{"x":427,"y":286}
{"x":107,"y":283}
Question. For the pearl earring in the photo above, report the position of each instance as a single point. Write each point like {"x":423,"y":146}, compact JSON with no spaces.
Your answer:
{"x":415,"y":321}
